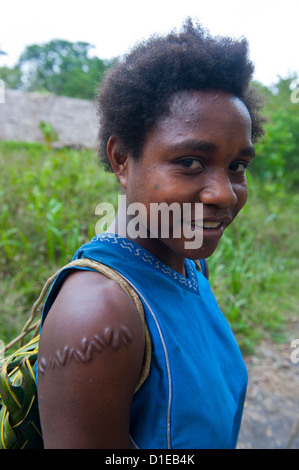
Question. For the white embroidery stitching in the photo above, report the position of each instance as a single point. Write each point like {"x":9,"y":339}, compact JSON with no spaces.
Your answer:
{"x":147,"y":258}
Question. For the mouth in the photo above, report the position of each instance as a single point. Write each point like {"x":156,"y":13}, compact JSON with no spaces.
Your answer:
{"x":210,"y":229}
{"x":206,"y":225}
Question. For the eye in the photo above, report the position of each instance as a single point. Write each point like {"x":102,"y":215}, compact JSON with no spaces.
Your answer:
{"x":239,"y":167}
{"x":191,"y":163}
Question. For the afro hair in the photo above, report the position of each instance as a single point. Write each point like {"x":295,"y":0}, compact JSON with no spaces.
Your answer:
{"x":136,"y":92}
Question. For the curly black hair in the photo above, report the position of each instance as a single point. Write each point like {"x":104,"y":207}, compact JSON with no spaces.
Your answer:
{"x":137,"y":90}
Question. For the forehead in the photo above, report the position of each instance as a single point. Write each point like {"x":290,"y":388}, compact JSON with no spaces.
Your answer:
{"x":215,"y":114}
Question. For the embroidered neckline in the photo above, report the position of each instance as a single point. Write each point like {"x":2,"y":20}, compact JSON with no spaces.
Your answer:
{"x":135,"y":250}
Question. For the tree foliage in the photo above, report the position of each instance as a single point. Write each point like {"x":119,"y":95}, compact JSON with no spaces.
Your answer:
{"x":62,"y":68}
{"x":277,"y":161}
{"x":11,"y":76}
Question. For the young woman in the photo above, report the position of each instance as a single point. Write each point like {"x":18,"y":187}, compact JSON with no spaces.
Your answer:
{"x":177,"y":126}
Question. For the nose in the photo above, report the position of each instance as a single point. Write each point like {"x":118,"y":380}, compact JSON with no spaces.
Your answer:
{"x":219,"y":191}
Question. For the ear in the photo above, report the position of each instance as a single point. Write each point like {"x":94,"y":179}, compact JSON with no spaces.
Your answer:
{"x":118,"y":159}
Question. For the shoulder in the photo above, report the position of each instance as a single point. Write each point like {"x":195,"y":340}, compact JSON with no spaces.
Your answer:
{"x":87,"y":303}
{"x":91,"y":345}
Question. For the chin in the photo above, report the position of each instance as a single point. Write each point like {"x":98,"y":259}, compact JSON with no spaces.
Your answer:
{"x":205,"y":251}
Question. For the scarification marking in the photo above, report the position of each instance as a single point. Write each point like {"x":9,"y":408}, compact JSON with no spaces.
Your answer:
{"x":111,"y":337}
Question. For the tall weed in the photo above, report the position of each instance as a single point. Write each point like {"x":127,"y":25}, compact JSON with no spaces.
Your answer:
{"x":48,"y":201}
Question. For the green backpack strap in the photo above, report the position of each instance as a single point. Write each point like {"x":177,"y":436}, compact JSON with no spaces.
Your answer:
{"x":19,"y":417}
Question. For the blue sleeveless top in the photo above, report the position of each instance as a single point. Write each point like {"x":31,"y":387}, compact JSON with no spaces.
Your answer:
{"x":194,"y":395}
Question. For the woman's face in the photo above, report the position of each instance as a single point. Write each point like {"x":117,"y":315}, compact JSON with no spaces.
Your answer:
{"x":198,"y":153}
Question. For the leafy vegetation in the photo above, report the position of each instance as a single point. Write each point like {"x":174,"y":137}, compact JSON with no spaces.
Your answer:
{"x":59,"y":67}
{"x":278,"y":151}
{"x":48,"y":200}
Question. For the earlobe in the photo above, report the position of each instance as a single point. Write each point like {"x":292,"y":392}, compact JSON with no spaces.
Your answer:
{"x":118,"y":159}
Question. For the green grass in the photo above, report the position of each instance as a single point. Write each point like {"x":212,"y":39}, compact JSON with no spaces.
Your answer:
{"x":48,"y":200}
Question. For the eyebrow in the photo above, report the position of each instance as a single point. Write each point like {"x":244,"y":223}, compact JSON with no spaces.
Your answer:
{"x":192,"y":144}
{"x":248,"y":151}
{"x":204,"y":146}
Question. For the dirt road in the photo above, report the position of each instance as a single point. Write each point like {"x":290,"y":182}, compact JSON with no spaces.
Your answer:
{"x":271,"y":414}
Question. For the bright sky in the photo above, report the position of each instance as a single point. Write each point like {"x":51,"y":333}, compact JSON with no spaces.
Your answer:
{"x":113,"y":26}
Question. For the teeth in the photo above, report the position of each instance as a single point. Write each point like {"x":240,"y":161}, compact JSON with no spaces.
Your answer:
{"x":198,"y":224}
{"x":208,"y":225}
{"x":211,"y":224}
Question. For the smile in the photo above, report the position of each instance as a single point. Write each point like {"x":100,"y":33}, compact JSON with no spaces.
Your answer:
{"x":206,"y":225}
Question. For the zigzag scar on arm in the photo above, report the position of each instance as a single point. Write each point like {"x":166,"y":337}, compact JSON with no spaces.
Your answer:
{"x":111,"y":337}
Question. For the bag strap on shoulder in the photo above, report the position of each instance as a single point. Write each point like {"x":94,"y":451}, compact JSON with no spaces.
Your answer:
{"x":110,"y":273}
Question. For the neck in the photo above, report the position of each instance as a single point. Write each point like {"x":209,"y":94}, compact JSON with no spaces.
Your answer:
{"x":155,"y":246}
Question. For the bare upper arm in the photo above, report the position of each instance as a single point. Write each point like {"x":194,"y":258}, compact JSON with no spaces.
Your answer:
{"x":90,"y":357}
